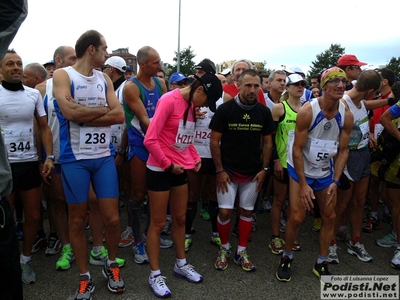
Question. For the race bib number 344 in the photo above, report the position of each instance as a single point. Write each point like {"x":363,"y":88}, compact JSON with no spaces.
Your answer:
{"x":19,"y":143}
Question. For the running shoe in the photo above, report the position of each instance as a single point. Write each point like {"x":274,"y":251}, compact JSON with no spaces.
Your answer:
{"x":99,"y":259}
{"x":126,"y":239}
{"x":67,"y":256}
{"x":139,"y":253}
{"x":28,"y":274}
{"x":204,"y":214}
{"x":332,"y":257}
{"x":283,"y":273}
{"x":395,"y":263}
{"x":317,"y":224}
{"x":165,"y":243}
{"x":19,"y":227}
{"x":167,"y":227}
{"x":222,"y":260}
{"x":296,"y":246}
{"x":158,"y":286}
{"x":40,"y":242}
{"x":267,"y":204}
{"x":187,"y":271}
{"x":359,"y":251}
{"x":242,"y":259}
{"x":388,"y":241}
{"x":53,"y":246}
{"x":372,"y":225}
{"x":188,"y":243}
{"x":115,"y":282}
{"x":276,"y":245}
{"x":86,"y":288}
{"x":321,"y":269}
{"x":216,"y":240}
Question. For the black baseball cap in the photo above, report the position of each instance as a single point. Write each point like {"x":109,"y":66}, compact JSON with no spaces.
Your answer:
{"x":213,"y":88}
{"x":207,"y":66}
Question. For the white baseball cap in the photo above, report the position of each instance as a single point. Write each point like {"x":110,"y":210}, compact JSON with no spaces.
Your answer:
{"x":116,"y":62}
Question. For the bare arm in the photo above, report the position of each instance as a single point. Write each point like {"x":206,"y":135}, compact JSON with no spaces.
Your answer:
{"x":390,"y":127}
{"x":222,"y":177}
{"x":266,"y":158}
{"x":303,"y":122}
{"x":163,"y":87}
{"x":41,"y":87}
{"x":47,"y":141}
{"x":277,"y":112}
{"x":115,"y":115}
{"x":227,"y":97}
{"x":372,"y":104}
{"x":343,"y":152}
{"x":119,"y":158}
{"x":72,"y":111}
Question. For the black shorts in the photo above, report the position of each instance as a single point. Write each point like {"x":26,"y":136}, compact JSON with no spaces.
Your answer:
{"x":285,"y":179}
{"x":163,"y":181}
{"x":390,"y":185}
{"x":26,"y":176}
{"x":207,"y":166}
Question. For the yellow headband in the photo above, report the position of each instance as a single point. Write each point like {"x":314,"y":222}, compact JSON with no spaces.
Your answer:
{"x":331,"y":73}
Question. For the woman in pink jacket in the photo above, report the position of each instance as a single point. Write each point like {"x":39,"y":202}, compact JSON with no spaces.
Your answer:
{"x":169,"y":140}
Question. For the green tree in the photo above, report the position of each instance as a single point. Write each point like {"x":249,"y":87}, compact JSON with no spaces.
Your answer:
{"x":394,"y":65}
{"x":325,"y":60}
{"x":262,"y":66}
{"x":187,"y":64}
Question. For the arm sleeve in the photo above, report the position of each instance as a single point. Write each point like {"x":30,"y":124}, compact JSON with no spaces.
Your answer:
{"x":163,"y":110}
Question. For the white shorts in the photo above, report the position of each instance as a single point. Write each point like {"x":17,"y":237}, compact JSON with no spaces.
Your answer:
{"x":247,"y":195}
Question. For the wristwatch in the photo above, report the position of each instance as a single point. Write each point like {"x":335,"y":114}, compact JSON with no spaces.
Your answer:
{"x":266,"y":169}
{"x":121,"y":150}
{"x":52,"y":157}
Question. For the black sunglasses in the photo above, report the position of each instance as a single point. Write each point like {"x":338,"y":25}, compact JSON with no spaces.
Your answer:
{"x":302,"y":83}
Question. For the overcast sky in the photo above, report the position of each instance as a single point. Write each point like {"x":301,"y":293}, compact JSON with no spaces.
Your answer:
{"x":285,"y":32}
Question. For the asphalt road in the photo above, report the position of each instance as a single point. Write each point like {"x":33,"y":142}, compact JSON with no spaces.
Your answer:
{"x":233,"y":283}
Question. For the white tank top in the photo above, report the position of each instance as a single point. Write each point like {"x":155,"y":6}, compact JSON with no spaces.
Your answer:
{"x":52,"y":119}
{"x":118,"y":129}
{"x":359,"y":136}
{"x":322,"y":142}
{"x":84,"y":142}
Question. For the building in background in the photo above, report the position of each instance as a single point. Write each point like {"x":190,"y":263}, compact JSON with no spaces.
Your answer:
{"x":129,"y":58}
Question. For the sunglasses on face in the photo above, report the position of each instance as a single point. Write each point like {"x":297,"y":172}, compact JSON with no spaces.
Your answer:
{"x":105,"y":67}
{"x":180,"y":83}
{"x":300,"y":83}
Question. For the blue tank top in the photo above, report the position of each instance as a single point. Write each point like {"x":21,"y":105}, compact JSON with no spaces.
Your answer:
{"x":149,"y":98}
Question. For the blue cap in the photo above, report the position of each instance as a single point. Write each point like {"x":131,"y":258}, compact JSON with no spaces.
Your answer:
{"x":177,"y":77}
{"x":50,"y":62}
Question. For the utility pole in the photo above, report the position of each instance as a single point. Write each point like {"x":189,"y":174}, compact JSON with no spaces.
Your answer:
{"x":178,"y":67}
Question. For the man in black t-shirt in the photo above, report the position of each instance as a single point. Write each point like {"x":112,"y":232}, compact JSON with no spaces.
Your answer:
{"x":238,"y":127}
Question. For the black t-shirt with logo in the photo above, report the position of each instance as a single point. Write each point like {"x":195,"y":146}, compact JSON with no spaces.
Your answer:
{"x":241,"y":135}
